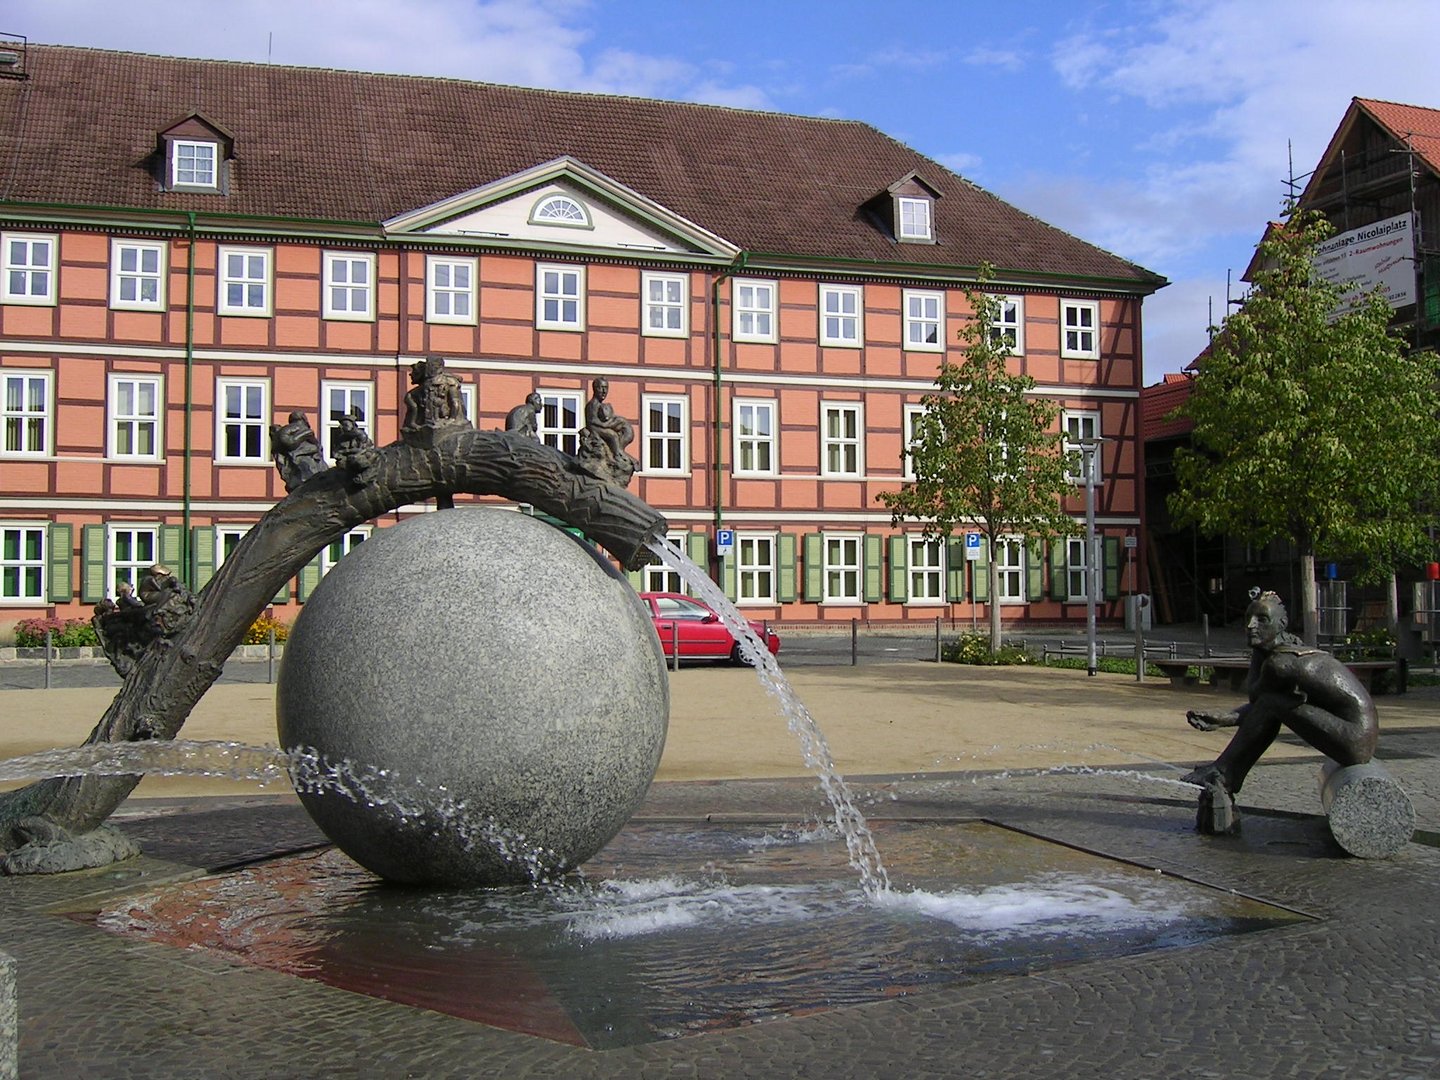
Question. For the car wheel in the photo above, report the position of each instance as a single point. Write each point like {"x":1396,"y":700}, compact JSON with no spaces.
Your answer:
{"x":736,"y":657}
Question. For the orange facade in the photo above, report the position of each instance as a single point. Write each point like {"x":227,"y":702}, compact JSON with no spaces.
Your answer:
{"x":136,"y":423}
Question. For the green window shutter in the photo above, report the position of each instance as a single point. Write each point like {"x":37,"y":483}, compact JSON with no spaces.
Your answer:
{"x":283,"y":596}
{"x":60,"y":557}
{"x":727,"y":576}
{"x":1034,"y":570}
{"x":815,"y":566}
{"x":874,"y":548}
{"x":309,"y":577}
{"x":899,"y":570}
{"x":697,"y":549}
{"x":954,"y":568}
{"x":980,"y":568}
{"x":172,"y":549}
{"x":1112,"y":567}
{"x":1059,"y":585}
{"x":785,"y":585}
{"x":202,"y":556}
{"x":636,"y":579}
{"x":92,"y":561}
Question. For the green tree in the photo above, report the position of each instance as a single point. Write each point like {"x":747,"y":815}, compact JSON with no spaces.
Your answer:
{"x":1311,"y":427}
{"x":986,"y":452}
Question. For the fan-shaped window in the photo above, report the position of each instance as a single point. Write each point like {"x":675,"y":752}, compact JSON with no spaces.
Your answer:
{"x":560,"y":210}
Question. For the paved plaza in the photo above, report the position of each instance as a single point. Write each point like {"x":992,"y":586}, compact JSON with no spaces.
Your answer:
{"x":1349,"y":991}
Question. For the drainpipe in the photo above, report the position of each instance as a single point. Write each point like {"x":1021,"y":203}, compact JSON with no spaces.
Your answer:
{"x":717,"y":420}
{"x":185,"y":540}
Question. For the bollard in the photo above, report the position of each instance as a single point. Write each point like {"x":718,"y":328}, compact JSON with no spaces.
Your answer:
{"x":49,"y":638}
{"x":854,"y":641}
{"x":675,"y":646}
{"x":9,"y":1020}
{"x":270,"y":671}
{"x":1370,"y":815}
{"x":1139,"y":651}
{"x":1205,"y":635}
{"x":937,"y":639}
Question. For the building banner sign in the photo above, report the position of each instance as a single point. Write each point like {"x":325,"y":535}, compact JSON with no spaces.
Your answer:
{"x":1379,"y":255}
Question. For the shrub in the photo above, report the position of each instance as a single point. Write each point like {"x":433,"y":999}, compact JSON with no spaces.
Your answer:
{"x":67,"y":634}
{"x":975,"y":649}
{"x":1111,"y":665}
{"x":259,"y":632}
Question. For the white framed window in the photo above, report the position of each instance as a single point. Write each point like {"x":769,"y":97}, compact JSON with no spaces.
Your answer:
{"x":755,"y":434}
{"x":560,"y":210}
{"x":340,"y":398}
{"x":27,"y":268}
{"x":469,"y":400}
{"x":135,"y":402}
{"x":22,"y":564}
{"x":661,"y":577}
{"x":924,"y":321}
{"x":755,"y":568}
{"x":1010,"y":560}
{"x":349,"y":287}
{"x":137,"y":275}
{"x":842,"y":440}
{"x":667,"y":305}
{"x":842,"y":569}
{"x":911,"y":418}
{"x":667,"y":429}
{"x":1081,"y":426}
{"x":841,"y":316}
{"x":1075,"y":565}
{"x":227,"y":539}
{"x":244,"y":281}
{"x":1008,"y":326}
{"x":1080,"y":329}
{"x":132,"y":550}
{"x":913,"y":216}
{"x":339,"y":548}
{"x":755,"y":310}
{"x":926,"y":570}
{"x":560,"y":419}
{"x":25,"y":413}
{"x":450,"y":290}
{"x":194,"y":164}
{"x":559,"y":297}
{"x":242,"y":421}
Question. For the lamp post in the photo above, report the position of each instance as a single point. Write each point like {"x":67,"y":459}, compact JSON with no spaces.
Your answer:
{"x":1088,"y":448}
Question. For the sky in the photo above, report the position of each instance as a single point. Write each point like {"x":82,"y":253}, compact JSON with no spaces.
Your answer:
{"x":1165,"y":131}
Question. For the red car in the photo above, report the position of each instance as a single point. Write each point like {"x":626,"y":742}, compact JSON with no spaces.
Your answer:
{"x":701,"y":634}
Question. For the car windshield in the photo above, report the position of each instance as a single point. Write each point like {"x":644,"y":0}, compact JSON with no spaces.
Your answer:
{"x":674,"y":607}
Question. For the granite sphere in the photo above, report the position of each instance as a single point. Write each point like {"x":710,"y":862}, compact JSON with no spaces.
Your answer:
{"x":493,"y":682}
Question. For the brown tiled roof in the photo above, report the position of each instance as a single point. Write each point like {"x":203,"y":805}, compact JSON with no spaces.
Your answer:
{"x":1159,"y":401}
{"x":1419,"y":126}
{"x":348,"y":146}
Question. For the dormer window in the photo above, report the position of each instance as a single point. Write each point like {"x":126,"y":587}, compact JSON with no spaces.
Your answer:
{"x":194,"y":164}
{"x":913,"y":218}
{"x":194,"y":154}
{"x":560,"y":210}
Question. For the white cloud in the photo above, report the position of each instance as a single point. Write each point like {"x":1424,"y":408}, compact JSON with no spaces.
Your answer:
{"x":960,"y":162}
{"x":1004,"y":59}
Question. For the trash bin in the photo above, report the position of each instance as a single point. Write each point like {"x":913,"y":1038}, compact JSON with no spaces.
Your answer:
{"x":1137,"y":609}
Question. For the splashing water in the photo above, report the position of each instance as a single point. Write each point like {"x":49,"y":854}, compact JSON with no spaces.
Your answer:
{"x":309,"y":772}
{"x":864,"y":856}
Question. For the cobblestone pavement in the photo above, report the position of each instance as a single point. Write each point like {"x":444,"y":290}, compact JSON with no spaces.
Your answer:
{"x":1350,"y":994}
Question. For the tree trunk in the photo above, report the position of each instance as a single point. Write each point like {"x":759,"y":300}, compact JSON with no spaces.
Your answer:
{"x":1392,"y":606}
{"x":1309,"y":600}
{"x":994,"y":572}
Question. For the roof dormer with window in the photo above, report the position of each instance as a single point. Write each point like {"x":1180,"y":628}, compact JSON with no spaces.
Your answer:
{"x":906,"y":210}
{"x":194,"y":156}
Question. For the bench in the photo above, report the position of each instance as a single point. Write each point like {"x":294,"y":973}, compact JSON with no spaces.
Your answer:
{"x":1230,"y":671}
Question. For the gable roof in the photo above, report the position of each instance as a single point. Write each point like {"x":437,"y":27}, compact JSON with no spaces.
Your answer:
{"x":1414,"y":125}
{"x":341,"y":146}
{"x":1159,"y":401}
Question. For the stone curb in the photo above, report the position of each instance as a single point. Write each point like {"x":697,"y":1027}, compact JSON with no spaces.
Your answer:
{"x":9,"y":1021}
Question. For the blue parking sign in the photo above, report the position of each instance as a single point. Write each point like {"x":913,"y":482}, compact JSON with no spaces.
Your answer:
{"x":972,"y":545}
{"x":724,"y":541}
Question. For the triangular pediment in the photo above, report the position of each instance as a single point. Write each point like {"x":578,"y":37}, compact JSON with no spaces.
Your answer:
{"x":567,"y":205}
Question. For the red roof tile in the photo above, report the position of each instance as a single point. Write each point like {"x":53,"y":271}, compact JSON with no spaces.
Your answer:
{"x":349,"y":146}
